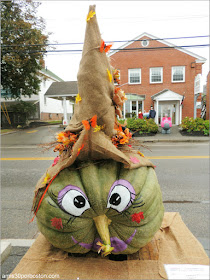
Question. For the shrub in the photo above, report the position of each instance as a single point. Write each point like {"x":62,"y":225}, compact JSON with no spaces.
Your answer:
{"x":198,"y":124}
{"x":142,"y":125}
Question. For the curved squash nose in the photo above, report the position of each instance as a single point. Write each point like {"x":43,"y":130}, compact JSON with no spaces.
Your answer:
{"x":102,"y":225}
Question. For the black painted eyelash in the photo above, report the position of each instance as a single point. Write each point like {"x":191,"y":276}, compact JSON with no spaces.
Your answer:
{"x":138,"y":204}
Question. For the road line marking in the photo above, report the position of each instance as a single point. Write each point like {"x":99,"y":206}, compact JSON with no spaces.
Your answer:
{"x":30,"y":158}
{"x":158,"y":157}
{"x":33,"y":131}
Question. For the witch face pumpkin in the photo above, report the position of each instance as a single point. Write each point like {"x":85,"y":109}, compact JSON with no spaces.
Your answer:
{"x":101,"y":206}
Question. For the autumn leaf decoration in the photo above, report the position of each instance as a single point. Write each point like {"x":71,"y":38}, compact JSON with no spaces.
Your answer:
{"x":78,"y":98}
{"x":57,"y":223}
{"x":46,"y":179}
{"x":137,"y":217}
{"x":134,"y":160}
{"x":90,"y":15}
{"x":65,"y":140}
{"x":105,"y":48}
{"x":87,"y":124}
{"x":116,"y":76}
{"x":109,"y":75}
{"x":122,"y":137}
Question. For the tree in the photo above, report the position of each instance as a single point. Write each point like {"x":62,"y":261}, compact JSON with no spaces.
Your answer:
{"x":23,"y":46}
{"x":26,"y":109}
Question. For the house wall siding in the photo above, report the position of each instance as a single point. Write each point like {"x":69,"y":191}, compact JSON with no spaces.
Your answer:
{"x":166,"y":58}
{"x":49,"y":105}
{"x":207,"y":96}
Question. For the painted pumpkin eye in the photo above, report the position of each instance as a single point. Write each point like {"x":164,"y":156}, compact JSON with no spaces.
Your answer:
{"x":121,"y":195}
{"x":73,"y":200}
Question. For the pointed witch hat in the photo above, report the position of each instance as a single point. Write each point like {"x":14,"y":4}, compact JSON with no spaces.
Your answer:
{"x":93,"y":132}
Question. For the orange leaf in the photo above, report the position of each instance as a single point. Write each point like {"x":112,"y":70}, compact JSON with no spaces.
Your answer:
{"x":102,"y":46}
{"x":107,"y":48}
{"x":94,"y":121}
{"x":86,"y":124}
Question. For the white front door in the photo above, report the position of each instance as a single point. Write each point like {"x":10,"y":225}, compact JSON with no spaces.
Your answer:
{"x":170,"y":109}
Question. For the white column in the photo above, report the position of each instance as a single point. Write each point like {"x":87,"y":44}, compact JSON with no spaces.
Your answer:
{"x":65,"y":121}
{"x":156,"y":117}
{"x":137,"y":111}
{"x":180,"y":111}
{"x":124,"y":110}
{"x":177,"y":112}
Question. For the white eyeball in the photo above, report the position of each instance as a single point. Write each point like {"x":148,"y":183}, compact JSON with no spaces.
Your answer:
{"x":121,"y":195}
{"x":72,"y":200}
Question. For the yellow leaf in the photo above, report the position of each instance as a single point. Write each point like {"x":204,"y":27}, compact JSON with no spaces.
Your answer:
{"x":90,"y":15}
{"x":109,"y":75}
{"x":98,"y":128}
{"x":78,"y":98}
{"x":46,"y":179}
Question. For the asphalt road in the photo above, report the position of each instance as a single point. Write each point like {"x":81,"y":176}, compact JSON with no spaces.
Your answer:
{"x":184,"y":181}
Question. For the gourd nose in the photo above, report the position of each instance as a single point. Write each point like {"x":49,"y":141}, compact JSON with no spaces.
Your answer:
{"x":102,"y":223}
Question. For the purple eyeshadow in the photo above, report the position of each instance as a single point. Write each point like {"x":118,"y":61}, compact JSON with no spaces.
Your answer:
{"x":69,"y":188}
{"x":126,"y":184}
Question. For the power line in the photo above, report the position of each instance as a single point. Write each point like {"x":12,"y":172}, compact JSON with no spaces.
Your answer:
{"x":124,"y":50}
{"x":123,"y":41}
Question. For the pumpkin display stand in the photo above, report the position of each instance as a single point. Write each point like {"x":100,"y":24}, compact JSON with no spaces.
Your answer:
{"x":172,"y":244}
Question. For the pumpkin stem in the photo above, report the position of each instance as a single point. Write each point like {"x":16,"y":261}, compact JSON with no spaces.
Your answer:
{"x":102,"y":223}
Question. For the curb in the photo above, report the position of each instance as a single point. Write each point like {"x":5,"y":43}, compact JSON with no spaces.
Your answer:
{"x":8,"y":132}
{"x":19,"y":242}
{"x":171,"y":140}
{"x":7,"y":244}
{"x":6,"y":248}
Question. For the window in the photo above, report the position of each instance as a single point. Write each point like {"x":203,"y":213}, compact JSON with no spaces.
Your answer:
{"x":178,"y":74}
{"x":145,"y":43}
{"x":156,"y":75}
{"x":134,"y":76}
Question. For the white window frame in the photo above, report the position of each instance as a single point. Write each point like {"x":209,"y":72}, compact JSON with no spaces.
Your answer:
{"x":172,"y":73}
{"x":150,"y":75}
{"x":129,"y":72}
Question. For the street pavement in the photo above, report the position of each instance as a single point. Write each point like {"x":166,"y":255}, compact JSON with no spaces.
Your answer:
{"x":179,"y":196}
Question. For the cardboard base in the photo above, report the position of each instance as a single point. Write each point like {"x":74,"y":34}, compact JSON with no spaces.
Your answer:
{"x":172,"y":244}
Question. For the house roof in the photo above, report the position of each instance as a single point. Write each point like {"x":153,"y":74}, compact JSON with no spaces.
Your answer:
{"x":199,"y":59}
{"x":58,"y":90}
{"x":166,"y":91}
{"x":50,"y":74}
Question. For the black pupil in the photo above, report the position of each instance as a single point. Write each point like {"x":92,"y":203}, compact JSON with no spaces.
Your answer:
{"x":115,"y":199}
{"x":79,"y":201}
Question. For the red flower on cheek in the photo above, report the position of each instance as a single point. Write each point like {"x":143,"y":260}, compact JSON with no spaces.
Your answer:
{"x":57,"y":223}
{"x":137,"y":217}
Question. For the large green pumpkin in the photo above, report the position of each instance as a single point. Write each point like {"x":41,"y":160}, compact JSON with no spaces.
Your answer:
{"x":102,"y":202}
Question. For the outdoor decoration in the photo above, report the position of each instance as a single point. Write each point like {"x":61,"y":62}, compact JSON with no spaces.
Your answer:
{"x":98,"y":194}
{"x":94,"y":203}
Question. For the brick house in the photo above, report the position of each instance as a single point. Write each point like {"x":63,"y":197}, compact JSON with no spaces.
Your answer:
{"x":207,"y":96}
{"x":158,"y":74}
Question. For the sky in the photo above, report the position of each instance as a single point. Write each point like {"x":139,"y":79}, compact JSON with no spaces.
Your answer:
{"x":121,"y":21}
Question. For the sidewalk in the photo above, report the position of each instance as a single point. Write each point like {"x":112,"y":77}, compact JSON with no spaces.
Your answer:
{"x":174,"y":136}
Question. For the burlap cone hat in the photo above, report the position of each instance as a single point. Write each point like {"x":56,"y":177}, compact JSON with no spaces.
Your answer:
{"x":94,"y":124}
